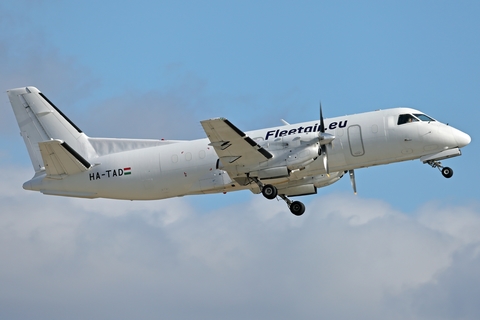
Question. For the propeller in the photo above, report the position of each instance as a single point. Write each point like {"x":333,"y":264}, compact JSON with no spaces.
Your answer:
{"x":323,"y":140}
{"x":352,"y":180}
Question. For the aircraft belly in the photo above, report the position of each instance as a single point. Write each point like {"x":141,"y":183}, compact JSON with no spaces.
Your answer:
{"x":212,"y":181}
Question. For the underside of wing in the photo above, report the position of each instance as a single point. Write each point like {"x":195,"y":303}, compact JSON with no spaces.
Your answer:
{"x":232,"y":145}
{"x":60,"y":159}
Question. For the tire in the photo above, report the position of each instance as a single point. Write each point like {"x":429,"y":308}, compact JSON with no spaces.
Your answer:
{"x":447,"y":172}
{"x":297,"y":208}
{"x":270,"y":192}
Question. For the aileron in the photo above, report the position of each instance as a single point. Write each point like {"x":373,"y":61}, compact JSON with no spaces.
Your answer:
{"x":232,"y":145}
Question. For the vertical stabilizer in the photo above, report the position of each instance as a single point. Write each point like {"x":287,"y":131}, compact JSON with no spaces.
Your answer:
{"x":40,"y":120}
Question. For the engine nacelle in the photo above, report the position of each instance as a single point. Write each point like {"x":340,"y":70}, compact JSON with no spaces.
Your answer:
{"x":301,"y":157}
{"x":272,"y":173}
{"x":293,"y":152}
{"x":324,"y":180}
{"x":308,"y":185}
{"x":303,"y":190}
{"x":288,"y":155}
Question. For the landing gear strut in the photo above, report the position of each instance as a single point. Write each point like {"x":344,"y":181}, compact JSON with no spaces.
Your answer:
{"x":446,"y":171}
{"x":270,"y":192}
{"x":296,"y":207}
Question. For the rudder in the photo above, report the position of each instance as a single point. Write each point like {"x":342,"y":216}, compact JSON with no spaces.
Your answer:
{"x":40,"y":120}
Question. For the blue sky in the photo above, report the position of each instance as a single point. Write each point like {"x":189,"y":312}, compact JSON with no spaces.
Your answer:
{"x":154,"y":70}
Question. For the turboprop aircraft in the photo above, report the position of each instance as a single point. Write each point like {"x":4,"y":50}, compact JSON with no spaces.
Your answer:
{"x":284,"y":161}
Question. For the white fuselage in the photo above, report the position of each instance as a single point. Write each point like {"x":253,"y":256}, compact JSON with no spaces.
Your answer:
{"x":170,"y":169}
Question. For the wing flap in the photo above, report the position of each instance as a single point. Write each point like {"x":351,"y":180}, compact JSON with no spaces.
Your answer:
{"x":232,"y":144}
{"x":60,"y":159}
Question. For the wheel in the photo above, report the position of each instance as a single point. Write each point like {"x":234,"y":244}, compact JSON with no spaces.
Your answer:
{"x":447,"y":172}
{"x":297,"y":208}
{"x":269,"y":191}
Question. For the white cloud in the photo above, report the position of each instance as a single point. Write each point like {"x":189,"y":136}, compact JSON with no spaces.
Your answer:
{"x":347,"y":257}
{"x":460,"y":222}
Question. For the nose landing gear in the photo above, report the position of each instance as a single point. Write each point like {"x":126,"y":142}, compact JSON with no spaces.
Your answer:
{"x":446,"y":171}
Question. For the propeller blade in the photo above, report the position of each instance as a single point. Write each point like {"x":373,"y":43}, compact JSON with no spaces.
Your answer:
{"x":352,"y":180}
{"x":321,"y":130}
{"x":322,"y":148}
{"x":322,"y":124}
{"x":325,"y":159}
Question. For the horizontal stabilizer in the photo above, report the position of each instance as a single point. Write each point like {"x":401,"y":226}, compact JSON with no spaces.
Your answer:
{"x":60,"y":159}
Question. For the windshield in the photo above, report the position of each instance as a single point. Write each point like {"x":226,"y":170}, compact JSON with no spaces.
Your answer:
{"x":407,"y":118}
{"x":423,"y":117}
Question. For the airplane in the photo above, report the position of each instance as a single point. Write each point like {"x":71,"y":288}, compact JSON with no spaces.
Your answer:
{"x":279,"y":162}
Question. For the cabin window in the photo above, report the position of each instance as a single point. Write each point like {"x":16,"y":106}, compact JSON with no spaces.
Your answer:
{"x":406,"y":118}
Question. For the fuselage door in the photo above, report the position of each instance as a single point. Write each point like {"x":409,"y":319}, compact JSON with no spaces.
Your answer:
{"x":355,"y":141}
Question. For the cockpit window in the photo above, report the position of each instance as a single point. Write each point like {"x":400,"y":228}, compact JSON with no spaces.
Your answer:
{"x":406,"y":118}
{"x":423,"y":117}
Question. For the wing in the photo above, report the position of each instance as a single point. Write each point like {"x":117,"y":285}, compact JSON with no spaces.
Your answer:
{"x":60,"y":159}
{"x":232,"y":145}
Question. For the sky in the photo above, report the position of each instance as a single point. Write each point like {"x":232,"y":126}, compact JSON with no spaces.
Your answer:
{"x":406,"y":247}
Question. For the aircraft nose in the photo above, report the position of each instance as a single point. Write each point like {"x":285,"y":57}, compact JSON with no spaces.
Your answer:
{"x":461,"y":138}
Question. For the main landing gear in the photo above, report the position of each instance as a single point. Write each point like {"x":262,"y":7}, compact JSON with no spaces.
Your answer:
{"x":270,"y":192}
{"x":296,"y":207}
{"x":446,"y":171}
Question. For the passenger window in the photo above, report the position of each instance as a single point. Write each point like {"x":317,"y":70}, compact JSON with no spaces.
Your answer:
{"x":406,"y":118}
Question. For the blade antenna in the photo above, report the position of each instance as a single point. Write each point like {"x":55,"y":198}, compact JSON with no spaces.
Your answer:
{"x":352,"y":180}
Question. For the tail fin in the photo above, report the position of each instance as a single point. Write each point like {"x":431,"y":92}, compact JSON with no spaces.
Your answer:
{"x":39,"y":121}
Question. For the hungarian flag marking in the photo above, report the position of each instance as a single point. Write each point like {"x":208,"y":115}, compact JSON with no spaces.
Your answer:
{"x":127,"y":171}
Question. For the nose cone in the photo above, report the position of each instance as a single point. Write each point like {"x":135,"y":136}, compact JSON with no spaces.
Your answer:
{"x":461,"y":138}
